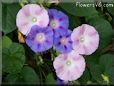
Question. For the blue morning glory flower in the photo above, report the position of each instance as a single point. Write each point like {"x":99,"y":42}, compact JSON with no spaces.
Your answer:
{"x":59,"y":21}
{"x":40,"y":39}
{"x":63,"y":42}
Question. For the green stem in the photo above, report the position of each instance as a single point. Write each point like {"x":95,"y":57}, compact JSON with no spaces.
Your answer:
{"x":39,"y":59}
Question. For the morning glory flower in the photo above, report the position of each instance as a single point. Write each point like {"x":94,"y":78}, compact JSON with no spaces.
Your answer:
{"x":63,"y":42}
{"x":40,"y":39}
{"x":70,"y":66}
{"x":58,"y":21}
{"x":85,"y":39}
{"x":29,"y":15}
{"x":61,"y":82}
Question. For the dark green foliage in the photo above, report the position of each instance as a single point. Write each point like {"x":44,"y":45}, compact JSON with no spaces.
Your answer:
{"x":9,"y":12}
{"x":13,"y":58}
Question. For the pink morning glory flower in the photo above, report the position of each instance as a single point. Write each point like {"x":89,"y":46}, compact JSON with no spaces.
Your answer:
{"x":85,"y":39}
{"x":69,"y":66}
{"x":29,"y":15}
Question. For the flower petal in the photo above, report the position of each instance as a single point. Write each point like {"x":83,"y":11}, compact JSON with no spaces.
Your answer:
{"x":30,"y":15}
{"x":71,"y":71}
{"x":85,"y":39}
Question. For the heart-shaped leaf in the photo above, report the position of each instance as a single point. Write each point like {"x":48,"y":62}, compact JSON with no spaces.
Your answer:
{"x":13,"y":58}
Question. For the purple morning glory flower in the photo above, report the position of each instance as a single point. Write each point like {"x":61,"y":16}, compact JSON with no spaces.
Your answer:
{"x":59,"y":21}
{"x":63,"y":42}
{"x":40,"y":39}
{"x":61,"y":82}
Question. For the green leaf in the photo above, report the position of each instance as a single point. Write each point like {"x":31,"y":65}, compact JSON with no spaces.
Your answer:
{"x":9,"y":12}
{"x":96,"y":72}
{"x":71,"y":8}
{"x":74,"y":22}
{"x":12,"y":78}
{"x":110,"y":73}
{"x":29,"y":76}
{"x":106,"y":61}
{"x":13,"y":58}
{"x":104,"y":29}
{"x":50,"y":79}
{"x":6,"y":42}
{"x":85,"y":77}
{"x":92,"y":58}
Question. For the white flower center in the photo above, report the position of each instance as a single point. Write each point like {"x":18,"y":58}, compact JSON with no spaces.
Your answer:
{"x":53,"y":24}
{"x":34,"y":19}
{"x":68,"y":63}
{"x":63,"y":40}
{"x":82,"y":39}
{"x":40,"y":37}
